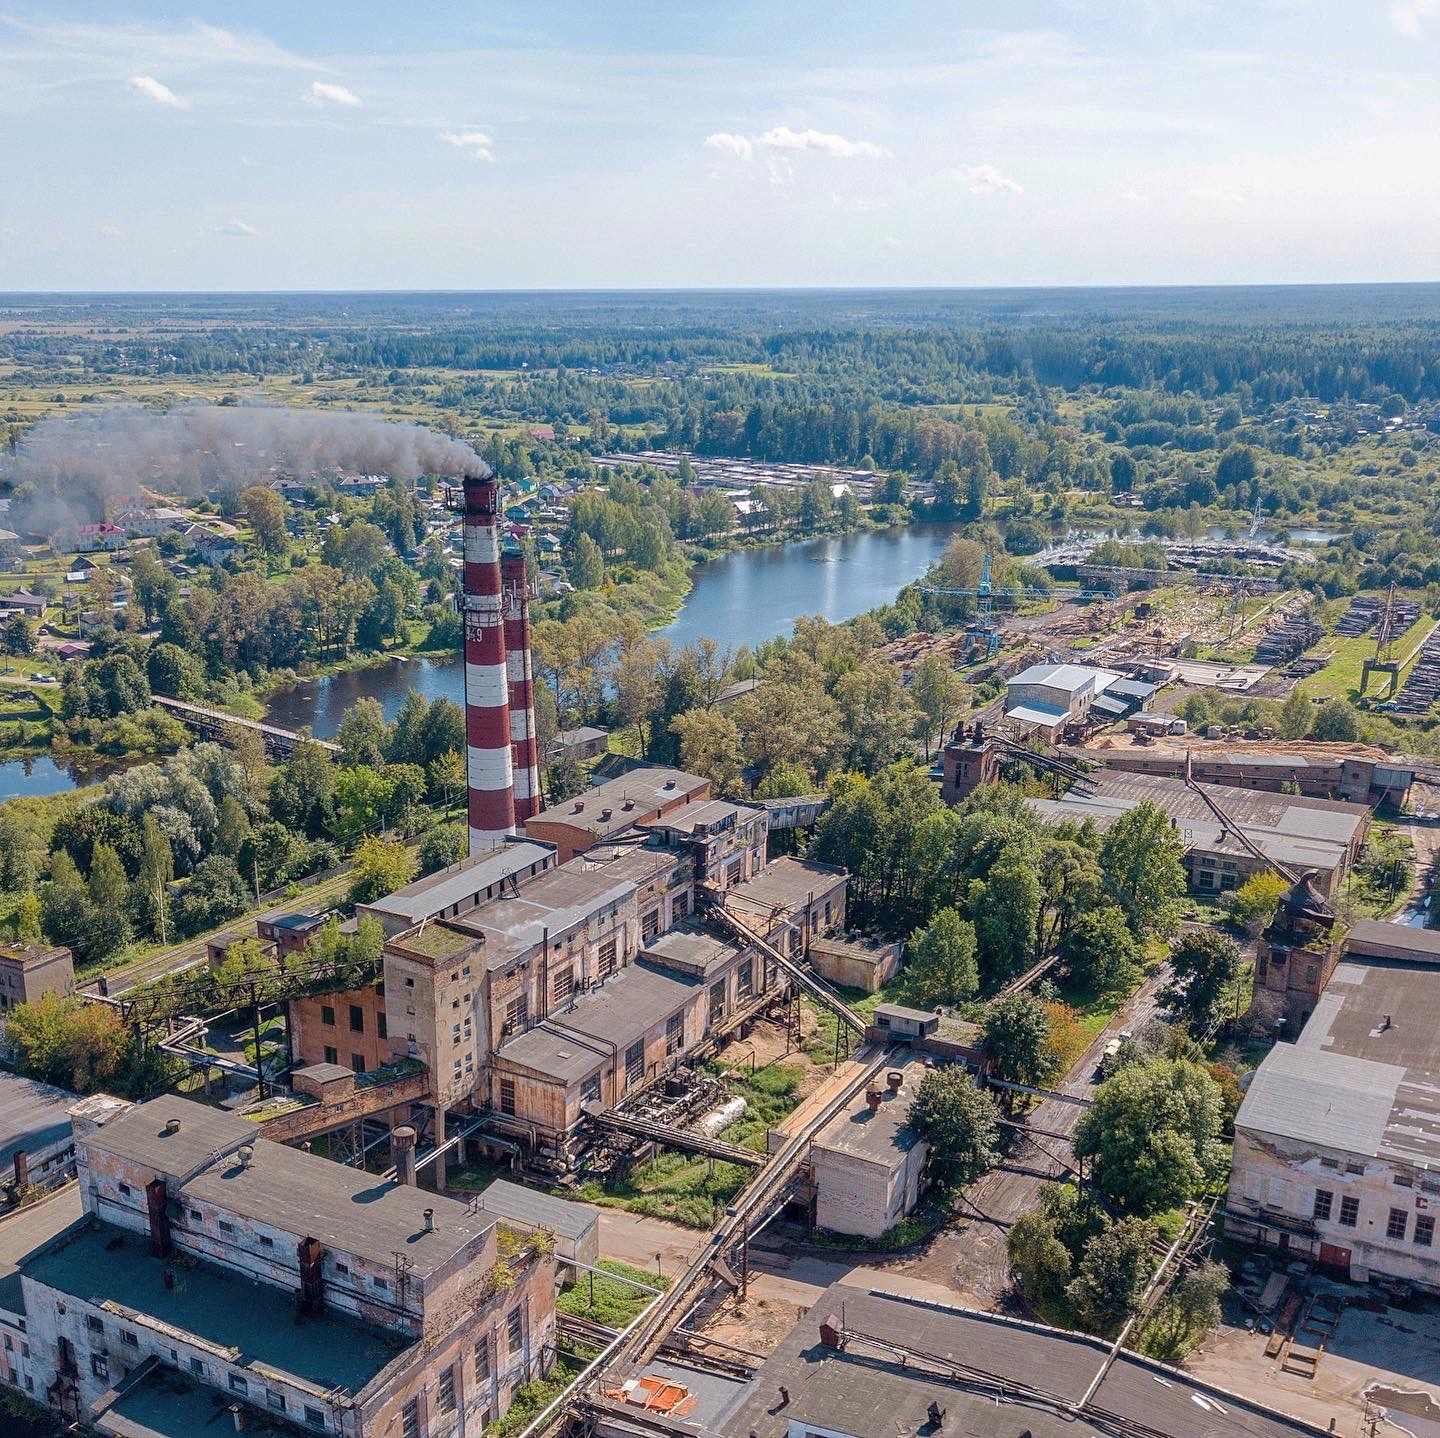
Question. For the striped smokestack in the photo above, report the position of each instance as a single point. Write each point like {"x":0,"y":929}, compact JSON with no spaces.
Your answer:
{"x":487,"y":696}
{"x":525,"y":748}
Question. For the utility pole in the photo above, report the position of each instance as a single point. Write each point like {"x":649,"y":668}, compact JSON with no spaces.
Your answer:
{"x":255,"y":1025}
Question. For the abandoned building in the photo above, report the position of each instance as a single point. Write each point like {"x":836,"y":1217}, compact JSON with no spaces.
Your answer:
{"x":175,"y":1294}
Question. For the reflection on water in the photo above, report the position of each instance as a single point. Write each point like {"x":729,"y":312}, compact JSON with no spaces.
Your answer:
{"x":35,"y":775}
{"x":743,"y":598}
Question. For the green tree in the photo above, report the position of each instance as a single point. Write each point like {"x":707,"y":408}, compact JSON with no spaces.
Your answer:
{"x":232,"y":828}
{"x":1005,"y":908}
{"x":1204,"y":966}
{"x":109,"y":892}
{"x":710,"y":746}
{"x":1017,"y":1039}
{"x":27,"y":918}
{"x":587,"y":569}
{"x":302,"y":793}
{"x":1150,"y":1134}
{"x":1141,"y":858}
{"x":1296,"y":714}
{"x":1336,"y":722}
{"x":65,"y":905}
{"x":149,"y":897}
{"x":382,"y":865}
{"x":1253,"y":904}
{"x":216,"y":892}
{"x":173,"y":671}
{"x":447,"y":776}
{"x":363,"y":734}
{"x":958,"y":1120}
{"x":936,"y":691}
{"x":18,"y":636}
{"x":940,"y":959}
{"x":442,"y":846}
{"x":1112,"y":1275}
{"x":1101,"y":951}
{"x":266,"y":512}
{"x":17,"y":858}
{"x":64,"y":1041}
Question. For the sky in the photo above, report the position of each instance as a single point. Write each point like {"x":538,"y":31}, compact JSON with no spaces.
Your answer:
{"x":629,"y":144}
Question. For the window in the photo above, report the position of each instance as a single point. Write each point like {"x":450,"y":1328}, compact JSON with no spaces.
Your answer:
{"x":1424,"y":1230}
{"x":275,"y":1400}
{"x":507,"y":1096}
{"x":607,"y":958}
{"x":196,"y":1216}
{"x":674,"y":1034}
{"x":717,"y":1002}
{"x":514,"y":1333}
{"x":745,"y":984}
{"x":564,"y":985}
{"x":332,"y":1054}
{"x":650,"y":926}
{"x":635,"y":1062}
{"x":129,"y":1338}
{"x":1353,"y":1167}
{"x":266,"y":1241}
{"x":357,"y":1062}
{"x":1349,"y":1212}
{"x":590,"y":1089}
{"x":100,"y":1366}
{"x":1323,"y":1199}
{"x":94,"y":1324}
{"x":482,"y":1360}
{"x":327,"y":1014}
{"x":315,"y":1417}
{"x":383,"y":1284}
{"x":238,"y":1384}
{"x":1404,"y":1180}
{"x":380,"y":1027}
{"x":681,"y":906}
{"x":226,"y":1226}
{"x":410,"y":1419}
{"x":517,"y":1014}
{"x":1398,"y":1224}
{"x":357,"y":1019}
{"x":342,"y":1268}
{"x":447,"y":1391}
{"x":409,"y":983}
{"x":124,"y":1190}
{"x":1330,"y":1163}
{"x":197,"y":1367}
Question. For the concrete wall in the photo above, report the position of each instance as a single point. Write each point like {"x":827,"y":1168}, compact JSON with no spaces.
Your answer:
{"x":864,"y":1196}
{"x":853,"y":967}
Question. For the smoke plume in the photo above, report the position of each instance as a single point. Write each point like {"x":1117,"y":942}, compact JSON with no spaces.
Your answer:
{"x":79,"y":462}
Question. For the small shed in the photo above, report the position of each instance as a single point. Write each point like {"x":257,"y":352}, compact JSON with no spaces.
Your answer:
{"x":576,"y":1226}
{"x":903,"y":1023}
{"x":330,"y":1083}
{"x":854,"y":963}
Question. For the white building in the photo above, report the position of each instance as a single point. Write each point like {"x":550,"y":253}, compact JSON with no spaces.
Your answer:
{"x":1337,"y":1144}
{"x":1045,"y":698}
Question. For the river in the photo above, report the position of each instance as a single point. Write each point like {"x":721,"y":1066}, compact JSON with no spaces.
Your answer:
{"x":35,"y":775}
{"x":742,"y":598}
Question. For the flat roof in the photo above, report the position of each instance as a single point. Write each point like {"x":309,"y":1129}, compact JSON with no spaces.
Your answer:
{"x":866,"y":1389}
{"x":787,"y":883}
{"x":617,"y":1013}
{"x":33,"y":1116}
{"x":461,"y":882}
{"x":1065,"y":676}
{"x":552,"y":903}
{"x":1364,"y":1075}
{"x":346,"y":1208}
{"x":539,"y":1210}
{"x":882,"y":1135}
{"x":692,"y":952}
{"x":102,"y":1265}
{"x":644,"y":788}
{"x":32,"y":1228}
{"x":167,"y":1403}
{"x":1367,"y":935}
{"x":701,"y":814}
{"x":1036,"y":713}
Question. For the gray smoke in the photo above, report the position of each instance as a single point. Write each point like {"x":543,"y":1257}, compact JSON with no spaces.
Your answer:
{"x":79,"y":461}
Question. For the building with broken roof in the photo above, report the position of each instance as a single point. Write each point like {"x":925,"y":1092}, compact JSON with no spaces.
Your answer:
{"x":638,"y":797}
{"x":1337,"y":1142}
{"x":211,"y":1268}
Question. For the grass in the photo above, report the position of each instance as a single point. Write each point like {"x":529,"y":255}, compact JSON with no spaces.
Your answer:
{"x":532,"y":1399}
{"x":919,"y":1226}
{"x":478,"y":1174}
{"x":1340,"y":678}
{"x":613,"y":1301}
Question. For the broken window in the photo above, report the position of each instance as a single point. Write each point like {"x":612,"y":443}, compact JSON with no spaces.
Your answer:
{"x":564,"y":985}
{"x":674,"y":1034}
{"x":1398,"y":1224}
{"x":1424,"y":1230}
{"x":607,"y":958}
{"x":514,"y":1330}
{"x":447,"y":1391}
{"x":635,"y":1062}
{"x":1323,"y":1199}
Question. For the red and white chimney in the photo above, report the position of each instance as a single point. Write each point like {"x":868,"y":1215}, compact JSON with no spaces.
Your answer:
{"x":524,"y":745}
{"x":487,"y":685}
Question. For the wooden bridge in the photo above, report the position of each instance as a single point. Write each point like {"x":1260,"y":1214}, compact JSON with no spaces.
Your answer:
{"x":215,"y":724}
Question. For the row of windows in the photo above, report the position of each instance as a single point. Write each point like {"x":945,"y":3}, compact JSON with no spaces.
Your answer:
{"x":1397,"y":1225}
{"x":332,"y":1056}
{"x":446,"y":1390}
{"x":357,"y":1019}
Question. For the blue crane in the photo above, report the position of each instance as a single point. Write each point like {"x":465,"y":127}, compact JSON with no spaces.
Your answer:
{"x":984,"y":593}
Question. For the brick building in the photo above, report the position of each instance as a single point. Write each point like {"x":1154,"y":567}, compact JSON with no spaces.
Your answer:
{"x":29,"y":970}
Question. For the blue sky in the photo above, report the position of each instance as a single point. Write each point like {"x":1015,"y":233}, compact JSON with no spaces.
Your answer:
{"x":552,"y":144}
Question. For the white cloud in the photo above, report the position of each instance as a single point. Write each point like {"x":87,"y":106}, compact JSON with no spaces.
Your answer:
{"x":1209,"y":195}
{"x":322,"y":92}
{"x":1135,"y":197}
{"x":472,"y":142}
{"x":782,"y":137}
{"x":152,"y":89}
{"x":108,"y":232}
{"x":739,"y":145}
{"x":235,"y":230}
{"x":987,"y":180}
{"x":1408,"y":16}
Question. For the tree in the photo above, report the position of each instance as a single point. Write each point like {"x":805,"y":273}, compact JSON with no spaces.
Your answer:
{"x":65,"y":905}
{"x":1296,"y":714}
{"x":1140,"y":857}
{"x":363,"y":734}
{"x":149,"y":898}
{"x":232,"y":827}
{"x":302,"y":793}
{"x":1005,"y":908}
{"x":958,"y":1120}
{"x":64,"y":1041}
{"x":710,"y":746}
{"x":935,"y":689}
{"x":173,"y":671}
{"x":216,"y":892}
{"x":18,"y":636}
{"x":266,"y":511}
{"x":1017,"y":1038}
{"x":940,"y":959}
{"x":587,"y":569}
{"x":109,"y":892}
{"x":1253,"y":904}
{"x":27,"y":918}
{"x":1044,"y":1242}
{"x":1150,"y":1134}
{"x":1204,"y":966}
{"x":1336,"y":722}
{"x":448,"y":775}
{"x":17,"y":861}
{"x":442,"y":846}
{"x":1112,"y":1275}
{"x":382,"y":865}
{"x":1101,"y":951}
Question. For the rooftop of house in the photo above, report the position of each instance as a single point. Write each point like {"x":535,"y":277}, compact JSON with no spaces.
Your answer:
{"x":1382,"y":940}
{"x":1073,"y":678}
{"x":112,"y":1267}
{"x":461,"y":882}
{"x":33,"y":1116}
{"x":703,"y":815}
{"x":882,"y":1135}
{"x":166,"y":1403}
{"x":27,"y":955}
{"x":787,"y":884}
{"x":1364,"y":1075}
{"x":867,"y":1389}
{"x":345,"y":1208}
{"x":25,"y":1232}
{"x":619,"y":803}
{"x":528,"y":1206}
{"x":1299,"y":831}
{"x":442,"y":941}
{"x":600,"y":1022}
{"x":690,"y":952}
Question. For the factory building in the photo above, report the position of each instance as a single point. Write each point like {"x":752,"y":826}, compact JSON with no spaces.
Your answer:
{"x":210,"y":1269}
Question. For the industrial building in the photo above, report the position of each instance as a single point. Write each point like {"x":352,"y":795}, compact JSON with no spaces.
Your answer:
{"x":615,"y":807}
{"x":1337,"y":1142}
{"x":1259,"y":829}
{"x":211,"y":1269}
{"x":28,"y":971}
{"x":1044,"y":698}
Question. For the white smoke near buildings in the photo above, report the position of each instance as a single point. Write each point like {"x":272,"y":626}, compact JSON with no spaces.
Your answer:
{"x":69,"y":467}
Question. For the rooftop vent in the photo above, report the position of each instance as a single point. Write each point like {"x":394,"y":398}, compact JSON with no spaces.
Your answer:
{"x":172,"y":1125}
{"x":605,"y":813}
{"x":895,"y":1080}
{"x":628,"y":805}
{"x":579,"y":806}
{"x":429,"y":1217}
{"x":873,"y":1097}
{"x":247,"y":1156}
{"x":669,"y":784}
